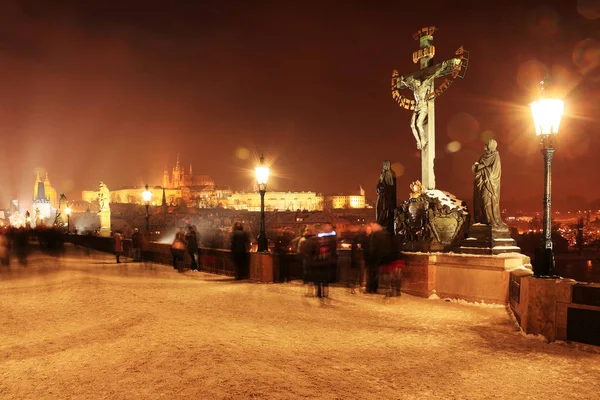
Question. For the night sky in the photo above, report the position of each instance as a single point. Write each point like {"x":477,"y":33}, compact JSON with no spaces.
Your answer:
{"x":113,"y":90}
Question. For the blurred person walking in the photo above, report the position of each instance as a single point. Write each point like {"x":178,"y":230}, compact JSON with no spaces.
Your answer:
{"x":282,"y":244}
{"x":240,"y":242}
{"x":136,"y":245}
{"x":306,"y":249}
{"x":4,"y":251}
{"x":380,"y":250}
{"x":178,"y":249}
{"x":359,"y":255}
{"x":191,"y":241}
{"x":118,"y":245}
{"x":325,"y":262}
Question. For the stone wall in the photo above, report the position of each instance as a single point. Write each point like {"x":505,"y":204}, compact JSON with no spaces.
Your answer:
{"x":558,"y":309}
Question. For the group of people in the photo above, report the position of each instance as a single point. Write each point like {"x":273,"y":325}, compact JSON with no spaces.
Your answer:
{"x":319,"y":258}
{"x":14,"y":241}
{"x":138,"y":241}
{"x":186,"y":240}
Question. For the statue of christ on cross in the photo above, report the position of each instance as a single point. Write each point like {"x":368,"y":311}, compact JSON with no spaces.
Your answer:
{"x":422,"y":84}
{"x":421,"y":91}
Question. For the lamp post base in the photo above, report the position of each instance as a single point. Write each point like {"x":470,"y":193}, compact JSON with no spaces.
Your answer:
{"x":263,"y":243}
{"x":543,"y":265}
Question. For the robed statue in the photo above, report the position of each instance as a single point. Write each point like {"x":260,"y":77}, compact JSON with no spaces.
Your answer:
{"x":103,"y":197}
{"x":386,"y":197}
{"x":486,"y":190}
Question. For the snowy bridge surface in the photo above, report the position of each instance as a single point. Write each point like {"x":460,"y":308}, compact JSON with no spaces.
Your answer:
{"x":81,"y":327}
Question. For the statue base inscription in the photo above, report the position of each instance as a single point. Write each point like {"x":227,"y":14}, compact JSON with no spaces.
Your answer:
{"x":431,"y":221}
{"x":486,"y":239}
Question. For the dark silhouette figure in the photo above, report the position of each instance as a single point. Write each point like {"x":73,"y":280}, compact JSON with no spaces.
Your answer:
{"x":118,"y":246}
{"x":178,"y":250}
{"x":136,"y":245}
{"x":282,"y":244}
{"x":240,"y":242}
{"x":386,"y":197}
{"x":191,"y":241}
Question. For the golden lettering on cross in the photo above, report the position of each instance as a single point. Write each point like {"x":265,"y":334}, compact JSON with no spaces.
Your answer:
{"x":422,"y":53}
{"x":456,"y":68}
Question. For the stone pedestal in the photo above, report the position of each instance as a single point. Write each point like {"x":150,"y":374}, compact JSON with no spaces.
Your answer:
{"x":461,"y":276}
{"x":261,"y":267}
{"x":105,"y":223}
{"x":484,"y":239}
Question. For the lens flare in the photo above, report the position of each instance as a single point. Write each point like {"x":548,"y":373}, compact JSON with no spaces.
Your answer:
{"x":453,"y":147}
{"x":242,"y":153}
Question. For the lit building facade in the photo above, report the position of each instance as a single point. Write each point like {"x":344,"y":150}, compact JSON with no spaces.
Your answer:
{"x":310,"y":201}
{"x":341,"y":201}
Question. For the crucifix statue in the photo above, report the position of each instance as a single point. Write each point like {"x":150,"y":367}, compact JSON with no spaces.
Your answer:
{"x":422,"y":84}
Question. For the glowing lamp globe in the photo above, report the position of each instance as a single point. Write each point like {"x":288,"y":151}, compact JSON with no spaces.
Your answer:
{"x":262,"y":173}
{"x":147,"y":195}
{"x":68,"y":210}
{"x":547,"y":114}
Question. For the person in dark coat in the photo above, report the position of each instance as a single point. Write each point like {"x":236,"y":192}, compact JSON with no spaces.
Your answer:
{"x":178,"y":248}
{"x":325,"y":262}
{"x":380,"y":254}
{"x":359,"y":255}
{"x":136,"y":245}
{"x":118,"y":246}
{"x":240,"y":242}
{"x":282,"y":244}
{"x":191,"y":241}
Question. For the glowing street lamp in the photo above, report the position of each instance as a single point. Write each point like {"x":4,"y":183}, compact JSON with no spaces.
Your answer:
{"x":262,"y":176}
{"x":68,"y":212}
{"x":147,"y":196}
{"x":547,"y":113}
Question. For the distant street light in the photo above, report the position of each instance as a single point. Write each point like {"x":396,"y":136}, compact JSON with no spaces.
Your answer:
{"x":147,"y":196}
{"x":547,"y":113}
{"x":68,"y":212}
{"x":262,"y":176}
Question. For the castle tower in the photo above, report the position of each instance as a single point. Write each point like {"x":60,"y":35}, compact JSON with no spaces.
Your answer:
{"x":35,"y":185}
{"x":166,"y":182}
{"x":40,"y":192}
{"x":50,"y":192}
{"x":176,"y":174}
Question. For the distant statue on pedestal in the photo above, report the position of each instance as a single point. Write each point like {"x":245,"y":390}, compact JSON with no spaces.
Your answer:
{"x":103,"y":202}
{"x":386,"y":197}
{"x":486,"y":191}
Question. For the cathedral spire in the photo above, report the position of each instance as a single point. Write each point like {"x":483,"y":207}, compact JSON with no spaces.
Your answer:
{"x":164,"y":201}
{"x":190,"y":169}
{"x":177,"y":163}
{"x":35,"y":184}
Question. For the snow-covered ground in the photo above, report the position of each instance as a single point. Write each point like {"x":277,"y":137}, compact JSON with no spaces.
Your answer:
{"x":87,"y":328}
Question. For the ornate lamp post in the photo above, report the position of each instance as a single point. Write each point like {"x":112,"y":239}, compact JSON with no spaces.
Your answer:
{"x":547,"y":113}
{"x":147,"y":196}
{"x":262,"y":175}
{"x":68,"y":212}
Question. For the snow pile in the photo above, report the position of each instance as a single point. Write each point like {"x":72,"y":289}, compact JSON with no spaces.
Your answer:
{"x":468,"y":303}
{"x":433,"y":296}
{"x":447,"y":199}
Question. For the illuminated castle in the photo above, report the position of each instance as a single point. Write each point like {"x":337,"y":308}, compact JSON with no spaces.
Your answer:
{"x":179,"y":179}
{"x":44,"y":200}
{"x":49,"y":192}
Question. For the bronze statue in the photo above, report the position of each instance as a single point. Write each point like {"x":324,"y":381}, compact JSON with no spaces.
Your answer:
{"x":386,"y":197}
{"x":486,"y":190}
{"x":421,"y":90}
